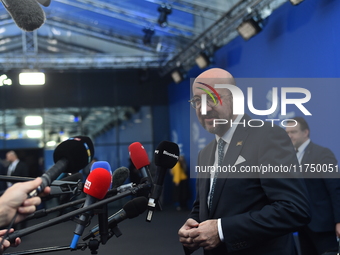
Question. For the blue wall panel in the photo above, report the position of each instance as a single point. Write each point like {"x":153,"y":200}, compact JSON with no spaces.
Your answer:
{"x":297,"y":42}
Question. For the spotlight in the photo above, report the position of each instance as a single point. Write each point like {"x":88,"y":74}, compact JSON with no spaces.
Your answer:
{"x":148,"y":33}
{"x":250,"y":27}
{"x":178,"y":75}
{"x":203,"y":59}
{"x":295,"y":2}
{"x":164,"y":10}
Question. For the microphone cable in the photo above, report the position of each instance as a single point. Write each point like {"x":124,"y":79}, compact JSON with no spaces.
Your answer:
{"x":9,"y":227}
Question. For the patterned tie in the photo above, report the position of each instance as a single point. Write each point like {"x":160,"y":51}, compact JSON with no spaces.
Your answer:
{"x":220,"y":147}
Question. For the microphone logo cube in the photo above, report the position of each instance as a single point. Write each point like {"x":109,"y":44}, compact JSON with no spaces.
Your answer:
{"x":87,"y":185}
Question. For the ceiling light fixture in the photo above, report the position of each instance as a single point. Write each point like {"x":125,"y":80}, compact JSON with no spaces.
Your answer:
{"x":4,"y":80}
{"x":250,"y":27}
{"x":203,"y":59}
{"x":148,"y":33}
{"x":33,"y":120}
{"x":295,"y":2}
{"x":164,"y":10}
{"x":34,"y":133}
{"x":32,"y":78}
{"x":178,"y":75}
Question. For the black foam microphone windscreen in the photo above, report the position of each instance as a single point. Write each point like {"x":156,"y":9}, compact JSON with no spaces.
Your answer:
{"x":27,"y":14}
{"x":77,"y":150}
{"x":166,"y":154}
{"x":135,"y":207}
{"x":45,"y":3}
{"x":130,"y":210}
{"x":119,"y":176}
{"x":70,"y":156}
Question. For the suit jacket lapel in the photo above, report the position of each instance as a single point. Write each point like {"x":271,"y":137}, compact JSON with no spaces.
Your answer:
{"x":207,"y":160}
{"x":233,"y":152}
{"x":307,"y":153}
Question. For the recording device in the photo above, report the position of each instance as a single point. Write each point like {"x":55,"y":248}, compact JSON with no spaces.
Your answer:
{"x":96,"y":187}
{"x":140,"y":159}
{"x":70,"y":156}
{"x":166,"y":156}
{"x":27,"y":14}
{"x":130,"y":210}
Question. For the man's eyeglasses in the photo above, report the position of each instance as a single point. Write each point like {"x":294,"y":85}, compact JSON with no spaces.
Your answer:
{"x":196,"y":101}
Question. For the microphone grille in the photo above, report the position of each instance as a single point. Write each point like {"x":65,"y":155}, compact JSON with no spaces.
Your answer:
{"x":78,"y":150}
{"x":98,"y":183}
{"x":138,"y":155}
{"x":135,"y":207}
{"x":119,"y":176}
{"x":166,"y":154}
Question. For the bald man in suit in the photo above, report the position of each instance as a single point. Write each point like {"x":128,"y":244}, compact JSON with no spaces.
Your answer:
{"x":235,"y":213}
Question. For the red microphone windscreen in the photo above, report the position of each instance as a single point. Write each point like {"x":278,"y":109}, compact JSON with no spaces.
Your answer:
{"x":138,"y":155}
{"x":98,"y":183}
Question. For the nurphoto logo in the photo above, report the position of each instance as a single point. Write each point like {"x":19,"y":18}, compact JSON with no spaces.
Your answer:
{"x":238,"y":102}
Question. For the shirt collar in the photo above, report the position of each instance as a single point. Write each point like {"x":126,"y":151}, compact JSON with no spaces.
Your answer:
{"x":229,"y":134}
{"x":303,"y":146}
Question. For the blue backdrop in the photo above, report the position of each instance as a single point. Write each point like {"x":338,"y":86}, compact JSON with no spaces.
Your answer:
{"x":297,"y":42}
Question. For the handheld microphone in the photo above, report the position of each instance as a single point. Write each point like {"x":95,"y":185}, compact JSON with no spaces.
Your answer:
{"x":140,"y":159}
{"x":69,"y":185}
{"x":27,"y":14}
{"x":103,"y":211}
{"x":166,"y":156}
{"x":69,"y":156}
{"x":130,"y":210}
{"x":96,"y":187}
{"x":104,"y":165}
{"x":119,"y":176}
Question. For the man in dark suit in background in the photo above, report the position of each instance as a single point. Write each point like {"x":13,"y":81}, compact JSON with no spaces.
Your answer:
{"x":16,"y":167}
{"x":238,"y":213}
{"x":320,"y":234}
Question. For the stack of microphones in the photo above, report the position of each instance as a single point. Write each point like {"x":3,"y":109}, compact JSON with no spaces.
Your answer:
{"x":101,"y":187}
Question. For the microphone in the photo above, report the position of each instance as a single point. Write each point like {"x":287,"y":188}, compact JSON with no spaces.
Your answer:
{"x":96,"y":186}
{"x":27,"y":14}
{"x":68,"y":185}
{"x":119,"y":176}
{"x":140,"y":159}
{"x":104,"y":165}
{"x":166,"y":156}
{"x":70,"y":156}
{"x":130,"y":210}
{"x":45,"y":3}
{"x":71,"y":178}
{"x":103,"y":211}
